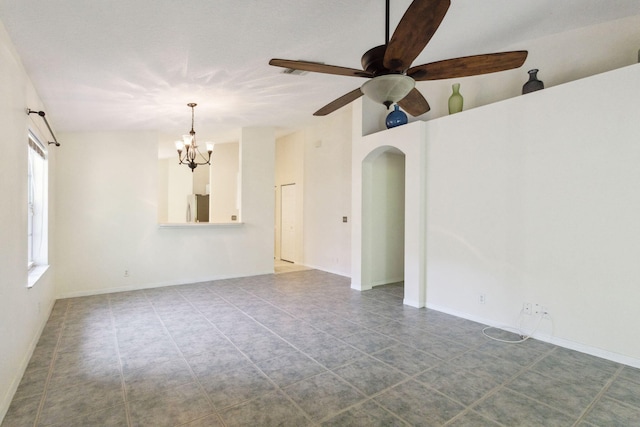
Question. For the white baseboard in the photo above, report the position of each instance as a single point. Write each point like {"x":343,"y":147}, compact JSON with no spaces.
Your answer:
{"x":387,"y":281}
{"x":560,"y":342}
{"x":326,"y":270}
{"x":412,"y":303}
{"x":139,"y":287}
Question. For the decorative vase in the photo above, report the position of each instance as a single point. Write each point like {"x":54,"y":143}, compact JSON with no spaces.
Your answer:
{"x":455,"y":100}
{"x":396,"y":118}
{"x":533,"y":84}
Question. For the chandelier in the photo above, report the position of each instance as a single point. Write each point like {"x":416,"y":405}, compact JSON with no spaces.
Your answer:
{"x":190,"y":147}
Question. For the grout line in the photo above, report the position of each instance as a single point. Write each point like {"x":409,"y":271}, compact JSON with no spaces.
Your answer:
{"x":120,"y":367}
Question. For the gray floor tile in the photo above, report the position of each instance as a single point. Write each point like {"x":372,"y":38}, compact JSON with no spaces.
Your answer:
{"x":110,"y":417}
{"x":369,"y":341}
{"x":438,"y":346}
{"x":145,"y":382}
{"x":472,"y":419}
{"x":323,"y":395}
{"x":81,"y":400}
{"x":457,"y":384}
{"x":488,"y":366}
{"x":263,"y":347}
{"x":513,"y":409}
{"x":607,"y":412}
{"x":272,"y":409}
{"x":625,"y":391}
{"x":369,"y":375}
{"x":220,"y":359}
{"x":331,"y":352}
{"x":133,"y":358}
{"x":407,"y":359}
{"x":572,"y":397}
{"x":230,"y":388}
{"x":196,"y":343}
{"x":367,"y":414}
{"x":32,"y":383}
{"x":290,"y":368}
{"x":208,"y":421}
{"x":631,"y":374}
{"x":523,"y":354}
{"x":76,"y":368}
{"x":170,"y":407}
{"x":418,"y":404}
{"x":22,"y":412}
{"x":571,"y":366}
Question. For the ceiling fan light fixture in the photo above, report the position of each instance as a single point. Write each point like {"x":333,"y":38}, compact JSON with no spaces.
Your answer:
{"x":388,"y":89}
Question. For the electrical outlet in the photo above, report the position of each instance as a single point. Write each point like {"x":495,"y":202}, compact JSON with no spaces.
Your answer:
{"x":482,"y":299}
{"x":540,"y":309}
{"x":126,"y":273}
{"x":526,"y":308}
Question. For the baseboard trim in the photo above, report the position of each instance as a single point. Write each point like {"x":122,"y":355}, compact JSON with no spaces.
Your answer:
{"x":140,"y":287}
{"x":560,"y":342}
{"x":326,"y":270}
{"x":412,"y":303}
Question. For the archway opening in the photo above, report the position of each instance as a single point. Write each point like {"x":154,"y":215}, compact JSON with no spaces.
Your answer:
{"x":383,"y":218}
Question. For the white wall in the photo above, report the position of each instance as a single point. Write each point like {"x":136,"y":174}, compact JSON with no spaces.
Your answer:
{"x":327,"y":193}
{"x":180,"y":184}
{"x":224,"y":182}
{"x":163,"y":192}
{"x":23,"y":311}
{"x":536,"y":199}
{"x":107,"y":212}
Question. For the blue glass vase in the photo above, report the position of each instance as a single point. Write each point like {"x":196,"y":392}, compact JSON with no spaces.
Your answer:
{"x":396,"y":118}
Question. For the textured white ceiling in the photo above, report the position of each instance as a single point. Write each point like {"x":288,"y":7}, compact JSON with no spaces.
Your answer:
{"x":134,"y":65}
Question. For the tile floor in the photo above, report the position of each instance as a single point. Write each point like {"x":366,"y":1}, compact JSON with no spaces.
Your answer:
{"x":301,"y":349}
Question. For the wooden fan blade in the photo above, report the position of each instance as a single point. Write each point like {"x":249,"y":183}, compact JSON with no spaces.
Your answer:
{"x":468,"y":66}
{"x":319,"y":68}
{"x":338,"y":103}
{"x":414,"y":103}
{"x":417,"y":26}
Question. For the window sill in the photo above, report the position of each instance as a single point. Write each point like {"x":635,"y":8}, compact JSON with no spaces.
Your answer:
{"x":200,"y":225}
{"x":35,"y":274}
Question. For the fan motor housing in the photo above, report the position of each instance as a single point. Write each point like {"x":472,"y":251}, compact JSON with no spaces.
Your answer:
{"x":373,"y":61}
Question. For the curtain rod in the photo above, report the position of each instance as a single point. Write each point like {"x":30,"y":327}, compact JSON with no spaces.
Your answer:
{"x":41,"y":114}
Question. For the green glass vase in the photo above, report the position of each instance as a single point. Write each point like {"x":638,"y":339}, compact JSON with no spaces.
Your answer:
{"x":455,"y":100}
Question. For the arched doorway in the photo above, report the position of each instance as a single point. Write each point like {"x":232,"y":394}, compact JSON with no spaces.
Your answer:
{"x":383,"y":217}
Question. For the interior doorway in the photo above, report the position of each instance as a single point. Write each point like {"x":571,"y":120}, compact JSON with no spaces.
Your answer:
{"x":288,"y":228}
{"x":383,"y":218}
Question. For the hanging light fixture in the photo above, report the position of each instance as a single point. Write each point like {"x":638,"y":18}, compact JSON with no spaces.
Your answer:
{"x":190,"y":148}
{"x":388,"y":89}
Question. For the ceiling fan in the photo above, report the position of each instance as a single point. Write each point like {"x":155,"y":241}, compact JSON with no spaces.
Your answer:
{"x":389,"y":65}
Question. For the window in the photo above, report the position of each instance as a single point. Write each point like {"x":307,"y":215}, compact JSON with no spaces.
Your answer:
{"x":37,"y":194}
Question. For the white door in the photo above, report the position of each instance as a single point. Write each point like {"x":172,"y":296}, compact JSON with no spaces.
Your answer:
{"x":288,"y":222}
